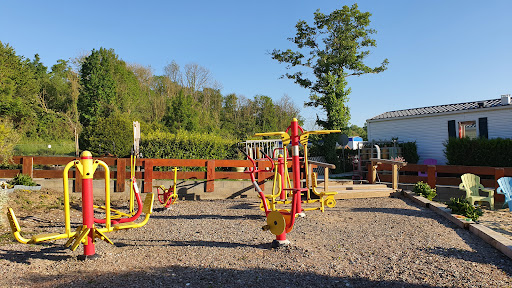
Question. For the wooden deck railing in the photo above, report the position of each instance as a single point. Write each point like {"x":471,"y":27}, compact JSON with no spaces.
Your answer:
{"x":52,"y":168}
{"x":445,"y":174}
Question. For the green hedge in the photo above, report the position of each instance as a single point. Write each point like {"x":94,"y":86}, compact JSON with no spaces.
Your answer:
{"x":187,"y":145}
{"x":112,"y":135}
{"x":479,"y":152}
{"x":410,"y":152}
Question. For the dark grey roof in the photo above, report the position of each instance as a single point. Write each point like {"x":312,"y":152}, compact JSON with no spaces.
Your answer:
{"x":440,"y":109}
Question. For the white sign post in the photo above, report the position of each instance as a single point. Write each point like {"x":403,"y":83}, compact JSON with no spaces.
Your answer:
{"x":136,"y":137}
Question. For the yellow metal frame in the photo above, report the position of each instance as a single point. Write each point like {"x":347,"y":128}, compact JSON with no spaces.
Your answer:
{"x":326,"y":198}
{"x":86,"y":168}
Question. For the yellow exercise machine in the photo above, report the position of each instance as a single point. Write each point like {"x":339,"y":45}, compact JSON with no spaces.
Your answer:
{"x":87,"y":232}
{"x":282,"y":187}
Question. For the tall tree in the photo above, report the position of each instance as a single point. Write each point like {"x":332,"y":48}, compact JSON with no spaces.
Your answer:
{"x":334,"y":47}
{"x":18,"y":87}
{"x":97,"y":86}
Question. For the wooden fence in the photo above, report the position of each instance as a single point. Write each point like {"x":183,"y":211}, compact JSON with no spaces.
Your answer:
{"x":445,"y":174}
{"x":53,"y":167}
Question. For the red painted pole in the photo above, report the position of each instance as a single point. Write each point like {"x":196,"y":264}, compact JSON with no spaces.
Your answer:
{"x":87,"y":201}
{"x":294,"y":137}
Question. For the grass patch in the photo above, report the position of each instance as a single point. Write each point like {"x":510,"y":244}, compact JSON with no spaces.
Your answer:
{"x":63,"y":148}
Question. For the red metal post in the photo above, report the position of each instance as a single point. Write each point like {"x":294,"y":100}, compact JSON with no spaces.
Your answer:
{"x":294,"y":137}
{"x":87,"y":201}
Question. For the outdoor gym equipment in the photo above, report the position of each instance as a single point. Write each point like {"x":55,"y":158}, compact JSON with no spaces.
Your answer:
{"x":280,"y":222}
{"x":166,"y":197}
{"x":282,"y":183}
{"x":87,"y":232}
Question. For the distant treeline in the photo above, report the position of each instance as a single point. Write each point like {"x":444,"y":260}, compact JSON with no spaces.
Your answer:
{"x":78,"y":98}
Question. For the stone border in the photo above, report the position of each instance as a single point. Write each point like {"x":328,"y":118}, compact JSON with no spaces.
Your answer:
{"x":497,"y":240}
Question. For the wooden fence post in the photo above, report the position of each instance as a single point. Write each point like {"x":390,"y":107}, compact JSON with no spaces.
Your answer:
{"x":120,"y":174}
{"x":148,"y":176}
{"x":210,"y":175}
{"x":78,"y":181}
{"x":498,"y":173}
{"x":28,"y":166}
{"x":260,"y":175}
{"x":372,"y":175}
{"x":431,"y":176}
{"x":394,"y":173}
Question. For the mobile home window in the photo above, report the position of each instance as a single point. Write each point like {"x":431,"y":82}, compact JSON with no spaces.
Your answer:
{"x":467,"y":129}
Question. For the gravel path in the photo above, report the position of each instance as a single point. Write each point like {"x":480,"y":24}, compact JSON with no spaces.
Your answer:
{"x":379,"y":242}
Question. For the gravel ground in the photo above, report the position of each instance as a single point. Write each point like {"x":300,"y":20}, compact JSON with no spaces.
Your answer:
{"x":376,"y":242}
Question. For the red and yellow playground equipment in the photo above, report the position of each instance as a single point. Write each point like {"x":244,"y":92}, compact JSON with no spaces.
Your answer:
{"x":280,"y":222}
{"x":168,"y":196}
{"x":88,"y":232}
{"x":281,"y":182}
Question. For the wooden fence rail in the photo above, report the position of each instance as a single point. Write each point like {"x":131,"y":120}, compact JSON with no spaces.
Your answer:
{"x":446,"y":175}
{"x":53,"y":167}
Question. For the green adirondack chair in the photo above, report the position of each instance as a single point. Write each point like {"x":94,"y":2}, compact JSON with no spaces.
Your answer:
{"x":471,"y":184}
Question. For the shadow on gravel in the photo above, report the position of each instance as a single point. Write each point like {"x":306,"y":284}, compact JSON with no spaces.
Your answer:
{"x":481,"y":252}
{"x":213,"y":217}
{"x":52,"y":253}
{"x":183,"y":276}
{"x":396,"y":211}
{"x":217,"y":244}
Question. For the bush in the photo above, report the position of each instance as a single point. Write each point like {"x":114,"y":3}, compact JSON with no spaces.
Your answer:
{"x":410,"y":152}
{"x":22,"y":179}
{"x":479,"y":152}
{"x":112,"y":135}
{"x":424,"y":190}
{"x":462,"y":207}
{"x":8,"y":139}
{"x":187,"y":145}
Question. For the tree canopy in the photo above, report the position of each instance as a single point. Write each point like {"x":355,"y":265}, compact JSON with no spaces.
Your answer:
{"x":334,"y":47}
{"x":97,"y":101}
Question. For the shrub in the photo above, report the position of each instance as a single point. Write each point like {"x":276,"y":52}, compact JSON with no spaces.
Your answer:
{"x":112,"y":135}
{"x":424,"y":190}
{"x":479,"y":152}
{"x":187,"y":145}
{"x":410,"y":152}
{"x":8,"y":139}
{"x":22,"y":179}
{"x":461,"y":206}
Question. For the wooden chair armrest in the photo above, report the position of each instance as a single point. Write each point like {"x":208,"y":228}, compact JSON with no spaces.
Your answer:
{"x":461,"y":186}
{"x":499,"y":191}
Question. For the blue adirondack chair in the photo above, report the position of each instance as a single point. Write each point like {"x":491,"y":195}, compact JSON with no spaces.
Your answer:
{"x":506,"y":189}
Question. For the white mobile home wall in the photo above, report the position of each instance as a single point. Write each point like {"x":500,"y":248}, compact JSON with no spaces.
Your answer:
{"x":431,"y":131}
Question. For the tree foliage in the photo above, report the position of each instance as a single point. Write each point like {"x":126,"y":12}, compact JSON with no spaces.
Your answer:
{"x":8,"y":138}
{"x":97,"y":96}
{"x":333,"y":48}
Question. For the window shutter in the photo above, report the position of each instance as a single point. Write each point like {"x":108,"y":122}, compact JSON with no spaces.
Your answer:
{"x":482,"y":128}
{"x":451,"y":129}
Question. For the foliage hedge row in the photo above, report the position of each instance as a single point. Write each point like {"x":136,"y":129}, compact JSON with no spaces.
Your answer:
{"x":410,"y":152}
{"x":187,"y":145}
{"x":479,"y":152}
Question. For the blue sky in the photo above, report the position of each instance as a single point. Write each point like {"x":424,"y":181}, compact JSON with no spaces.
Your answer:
{"x":439,"y":51}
